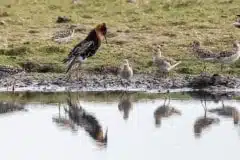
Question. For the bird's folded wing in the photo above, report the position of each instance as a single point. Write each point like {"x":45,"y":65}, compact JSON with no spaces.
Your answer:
{"x":225,"y":54}
{"x":81,"y":48}
{"x":169,"y":60}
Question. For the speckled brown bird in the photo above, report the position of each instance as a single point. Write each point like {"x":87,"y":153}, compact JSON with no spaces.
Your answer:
{"x":228,"y":57}
{"x":88,"y":47}
{"x":202,"y":53}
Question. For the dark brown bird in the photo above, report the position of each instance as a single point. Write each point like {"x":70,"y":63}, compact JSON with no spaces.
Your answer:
{"x":88,"y":47}
{"x":87,"y":121}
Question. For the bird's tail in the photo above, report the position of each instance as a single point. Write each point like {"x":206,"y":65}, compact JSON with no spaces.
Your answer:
{"x":173,"y":66}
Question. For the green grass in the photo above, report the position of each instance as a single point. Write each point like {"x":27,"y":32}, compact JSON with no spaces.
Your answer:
{"x":61,"y":97}
{"x":132,"y":30}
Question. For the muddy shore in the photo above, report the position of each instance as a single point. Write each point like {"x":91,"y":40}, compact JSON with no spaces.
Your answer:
{"x":53,"y":82}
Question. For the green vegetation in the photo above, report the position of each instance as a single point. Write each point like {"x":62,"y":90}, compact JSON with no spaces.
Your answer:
{"x":61,"y":97}
{"x":25,"y":35}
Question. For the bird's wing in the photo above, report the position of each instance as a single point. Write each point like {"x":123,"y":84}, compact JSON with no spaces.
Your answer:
{"x":81,"y":48}
{"x":205,"y":53}
{"x":225,"y":54}
{"x":169,"y":60}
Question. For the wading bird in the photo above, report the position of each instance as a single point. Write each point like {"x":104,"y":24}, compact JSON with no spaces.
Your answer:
{"x":64,"y":36}
{"x":203,"y":54}
{"x":86,"y":48}
{"x":126,"y":71}
{"x":228,"y":57}
{"x":163,"y":64}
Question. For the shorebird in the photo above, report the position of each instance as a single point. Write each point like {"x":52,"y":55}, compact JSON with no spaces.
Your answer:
{"x":164,"y":111}
{"x":204,"y":122}
{"x":227,"y":111}
{"x":228,"y":57}
{"x":164,"y":64}
{"x":81,"y":118}
{"x":64,"y":36}
{"x":126,"y":71}
{"x":86,"y":48}
{"x":203,"y":54}
{"x":125,"y":104}
{"x":237,"y":23}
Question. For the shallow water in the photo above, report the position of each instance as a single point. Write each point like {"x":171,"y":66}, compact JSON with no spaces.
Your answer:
{"x":33,"y":134}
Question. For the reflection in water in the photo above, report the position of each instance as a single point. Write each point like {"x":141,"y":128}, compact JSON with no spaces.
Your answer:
{"x":7,"y":107}
{"x":213,"y":96}
{"x":227,"y":111}
{"x":125,"y":104}
{"x":204,"y":122}
{"x":81,"y":118}
{"x":138,"y":139}
{"x":165,"y":111}
{"x":64,"y":121}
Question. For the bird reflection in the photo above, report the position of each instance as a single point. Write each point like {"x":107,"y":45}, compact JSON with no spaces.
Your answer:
{"x":80,"y":117}
{"x":8,"y":107}
{"x":204,"y":122}
{"x":125,"y":105}
{"x":164,"y":111}
{"x":227,"y":111}
{"x":63,"y":121}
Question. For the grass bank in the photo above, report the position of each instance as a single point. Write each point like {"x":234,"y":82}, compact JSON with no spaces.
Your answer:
{"x":27,"y":27}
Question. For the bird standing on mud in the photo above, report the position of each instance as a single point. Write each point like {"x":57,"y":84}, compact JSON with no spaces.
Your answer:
{"x":203,"y":54}
{"x":163,"y":64}
{"x":88,"y":47}
{"x":228,"y":57}
{"x":126,"y":71}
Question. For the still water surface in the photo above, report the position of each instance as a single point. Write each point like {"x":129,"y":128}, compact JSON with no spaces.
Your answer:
{"x":33,"y":134}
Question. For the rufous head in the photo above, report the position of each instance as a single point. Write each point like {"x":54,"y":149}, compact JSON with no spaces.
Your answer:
{"x":101,"y":30}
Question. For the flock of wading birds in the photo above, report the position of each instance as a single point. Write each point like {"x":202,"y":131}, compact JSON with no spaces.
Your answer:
{"x":89,"y":46}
